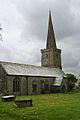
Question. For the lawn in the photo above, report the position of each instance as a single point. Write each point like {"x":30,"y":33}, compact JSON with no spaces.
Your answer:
{"x":45,"y":107}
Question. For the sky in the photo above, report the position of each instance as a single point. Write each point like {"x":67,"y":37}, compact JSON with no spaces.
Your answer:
{"x":24,"y":32}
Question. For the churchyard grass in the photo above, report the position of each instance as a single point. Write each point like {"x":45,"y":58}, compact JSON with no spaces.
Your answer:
{"x":45,"y":107}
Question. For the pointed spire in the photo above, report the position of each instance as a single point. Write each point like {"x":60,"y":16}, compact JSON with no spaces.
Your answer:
{"x":51,"y":43}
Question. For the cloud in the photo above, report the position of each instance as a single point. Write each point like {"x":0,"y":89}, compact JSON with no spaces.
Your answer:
{"x":25,"y":30}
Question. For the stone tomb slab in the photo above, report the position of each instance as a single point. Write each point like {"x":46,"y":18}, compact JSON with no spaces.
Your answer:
{"x":23,"y":103}
{"x":8,"y":98}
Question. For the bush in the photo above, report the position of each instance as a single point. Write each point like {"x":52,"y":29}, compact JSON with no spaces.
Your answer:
{"x":71,"y":81}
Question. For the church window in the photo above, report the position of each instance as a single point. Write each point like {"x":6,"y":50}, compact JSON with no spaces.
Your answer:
{"x":46,"y":86}
{"x":16,"y":84}
{"x":51,"y":89}
{"x":34,"y":87}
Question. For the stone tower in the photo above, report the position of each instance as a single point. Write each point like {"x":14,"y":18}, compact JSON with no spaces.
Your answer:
{"x":51,"y":56}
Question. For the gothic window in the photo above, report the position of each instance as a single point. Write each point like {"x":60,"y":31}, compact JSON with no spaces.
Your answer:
{"x":46,"y":87}
{"x":42,"y":84}
{"x":16,"y":84}
{"x":51,"y":88}
{"x":34,"y":87}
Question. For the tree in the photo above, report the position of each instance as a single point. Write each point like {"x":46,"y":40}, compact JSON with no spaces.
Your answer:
{"x":71,"y":81}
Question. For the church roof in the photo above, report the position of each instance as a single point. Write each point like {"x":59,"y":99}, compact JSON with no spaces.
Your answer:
{"x":30,"y":70}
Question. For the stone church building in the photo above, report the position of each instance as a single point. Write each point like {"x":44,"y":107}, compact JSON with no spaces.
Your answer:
{"x":23,"y":79}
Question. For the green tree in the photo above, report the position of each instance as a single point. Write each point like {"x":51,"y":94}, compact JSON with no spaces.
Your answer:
{"x":71,"y":81}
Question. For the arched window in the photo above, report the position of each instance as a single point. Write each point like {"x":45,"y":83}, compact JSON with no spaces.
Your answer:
{"x":34,"y":87}
{"x":44,"y":87}
{"x":16,"y":84}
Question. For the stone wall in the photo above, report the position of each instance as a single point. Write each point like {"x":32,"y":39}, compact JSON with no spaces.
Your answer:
{"x":41,"y":84}
{"x":3,"y":81}
{"x":30,"y":85}
{"x":51,"y":58}
{"x":23,"y":85}
{"x":64,"y":85}
{"x":26,"y":86}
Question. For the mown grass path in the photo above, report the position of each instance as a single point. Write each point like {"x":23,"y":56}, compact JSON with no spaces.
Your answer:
{"x":45,"y":107}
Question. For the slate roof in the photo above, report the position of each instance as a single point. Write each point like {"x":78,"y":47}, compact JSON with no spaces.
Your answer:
{"x":30,"y":70}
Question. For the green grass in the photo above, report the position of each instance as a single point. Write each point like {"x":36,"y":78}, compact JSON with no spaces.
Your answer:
{"x":45,"y":107}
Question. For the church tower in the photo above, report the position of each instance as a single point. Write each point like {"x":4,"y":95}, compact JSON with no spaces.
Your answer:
{"x":51,"y":56}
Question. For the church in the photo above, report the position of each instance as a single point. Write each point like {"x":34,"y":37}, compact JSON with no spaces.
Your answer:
{"x":24,"y":79}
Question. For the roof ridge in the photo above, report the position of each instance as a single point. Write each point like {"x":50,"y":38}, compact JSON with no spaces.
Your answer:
{"x":7,"y":62}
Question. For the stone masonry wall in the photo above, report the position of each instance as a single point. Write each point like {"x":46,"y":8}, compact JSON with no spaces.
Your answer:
{"x":38,"y":81}
{"x":3,"y":81}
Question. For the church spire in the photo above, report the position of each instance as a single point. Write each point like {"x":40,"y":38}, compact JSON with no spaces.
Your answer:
{"x":51,"y":56}
{"x":51,"y":43}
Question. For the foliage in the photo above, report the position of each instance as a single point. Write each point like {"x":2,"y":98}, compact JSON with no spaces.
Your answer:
{"x":71,"y":81}
{"x":78,"y":87}
{"x":45,"y":107}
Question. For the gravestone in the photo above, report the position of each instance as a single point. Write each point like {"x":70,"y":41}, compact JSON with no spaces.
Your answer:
{"x":8,"y":98}
{"x":23,"y":103}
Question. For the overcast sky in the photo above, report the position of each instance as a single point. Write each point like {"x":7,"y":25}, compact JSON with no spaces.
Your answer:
{"x":24,"y":24}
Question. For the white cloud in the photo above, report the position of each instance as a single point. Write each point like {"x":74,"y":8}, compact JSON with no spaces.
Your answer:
{"x":25,"y":28}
